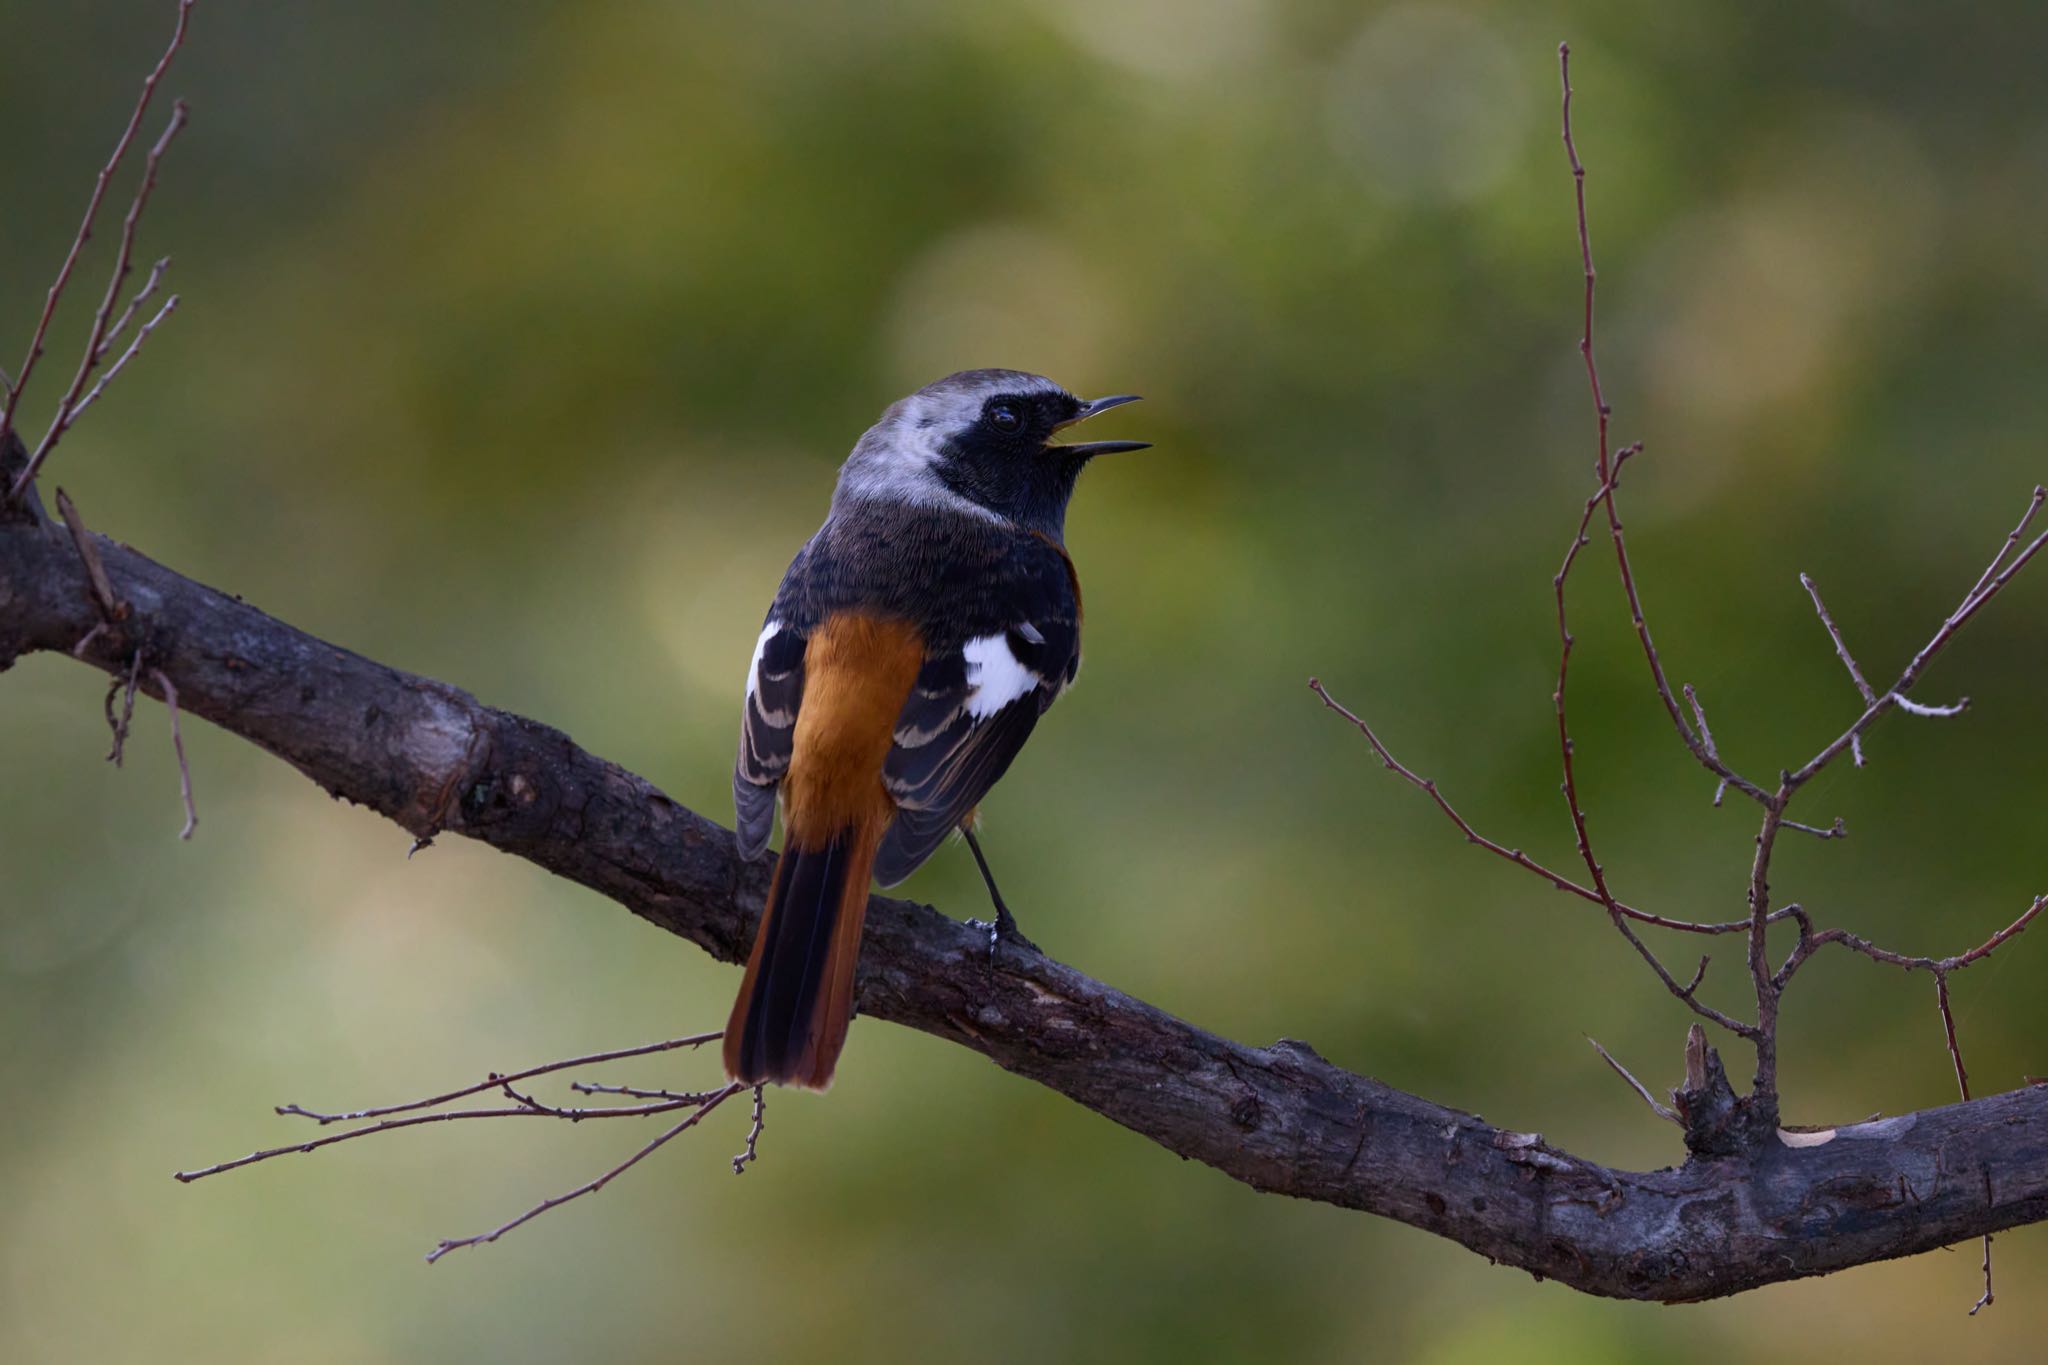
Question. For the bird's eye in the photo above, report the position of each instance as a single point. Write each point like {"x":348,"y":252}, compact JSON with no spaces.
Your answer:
{"x":1004,"y":417}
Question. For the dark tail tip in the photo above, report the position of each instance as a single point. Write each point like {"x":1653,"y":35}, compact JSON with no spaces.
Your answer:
{"x":789,"y":1022}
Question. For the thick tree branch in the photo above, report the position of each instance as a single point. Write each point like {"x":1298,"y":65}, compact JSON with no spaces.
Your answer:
{"x":1740,"y":1213}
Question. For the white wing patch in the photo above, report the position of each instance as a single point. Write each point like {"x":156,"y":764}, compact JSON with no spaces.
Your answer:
{"x":994,"y":676}
{"x":760,"y":648}
{"x":779,"y":719}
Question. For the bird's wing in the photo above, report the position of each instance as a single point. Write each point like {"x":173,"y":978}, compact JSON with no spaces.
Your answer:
{"x":969,"y":712}
{"x":775,"y":687}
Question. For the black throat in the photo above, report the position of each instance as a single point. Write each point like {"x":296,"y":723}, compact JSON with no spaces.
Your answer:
{"x":1028,"y":487}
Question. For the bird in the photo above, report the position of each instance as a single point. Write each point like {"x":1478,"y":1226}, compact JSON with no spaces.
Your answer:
{"x":914,"y":642}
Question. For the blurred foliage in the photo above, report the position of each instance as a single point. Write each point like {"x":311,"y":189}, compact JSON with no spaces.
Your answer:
{"x":520,"y":343}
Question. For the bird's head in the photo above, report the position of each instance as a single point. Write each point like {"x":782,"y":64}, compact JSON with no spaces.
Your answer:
{"x":982,"y":441}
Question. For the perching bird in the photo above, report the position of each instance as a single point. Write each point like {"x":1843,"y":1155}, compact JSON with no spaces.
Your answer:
{"x":915,"y":641}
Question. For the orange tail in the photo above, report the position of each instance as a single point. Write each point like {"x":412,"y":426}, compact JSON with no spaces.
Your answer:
{"x":790,"y":1019}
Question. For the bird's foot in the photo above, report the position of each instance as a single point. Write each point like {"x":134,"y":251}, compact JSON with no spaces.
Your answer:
{"x":1002,"y":929}
{"x":1005,"y":925}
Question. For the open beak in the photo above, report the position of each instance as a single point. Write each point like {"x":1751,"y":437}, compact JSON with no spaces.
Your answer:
{"x":1091,"y":409}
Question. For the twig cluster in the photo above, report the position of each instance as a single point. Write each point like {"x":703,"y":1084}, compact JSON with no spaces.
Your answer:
{"x":105,"y":329}
{"x":692,"y":1105}
{"x":1768,"y":984}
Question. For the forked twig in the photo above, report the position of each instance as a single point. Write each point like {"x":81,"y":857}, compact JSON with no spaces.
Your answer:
{"x":1939,"y":966}
{"x":692,"y":1105}
{"x":69,"y":406}
{"x":1512,"y":855}
{"x":1842,"y":651}
{"x":114,"y":370}
{"x":515,"y":1110}
{"x":1699,"y":715}
{"x":142,"y":296}
{"x":495,"y":1081}
{"x":9,"y":410}
{"x":688,"y":1122}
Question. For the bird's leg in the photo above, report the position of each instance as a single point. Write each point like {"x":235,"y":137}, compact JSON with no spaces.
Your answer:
{"x":1005,"y":925}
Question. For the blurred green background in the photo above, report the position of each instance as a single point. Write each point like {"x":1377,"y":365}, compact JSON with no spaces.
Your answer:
{"x":519,"y":346}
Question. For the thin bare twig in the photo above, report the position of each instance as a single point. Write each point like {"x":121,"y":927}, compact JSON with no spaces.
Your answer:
{"x":760,"y":1121}
{"x":1661,"y":1110}
{"x":1940,"y":966}
{"x":142,"y":296}
{"x":1842,"y":651}
{"x":127,"y":718}
{"x":591,"y":1186}
{"x":178,"y":745}
{"x":1619,"y":913}
{"x":1566,"y":641}
{"x":2013,"y":540}
{"x":1955,"y":1054}
{"x":1801,"y":951}
{"x":8,"y":411}
{"x":1985,"y":1299}
{"x":1835,"y":634}
{"x":114,"y":370}
{"x":1948,"y":1029}
{"x":1606,"y":466}
{"x":1513,"y":855}
{"x":1699,"y":715}
{"x":1683,"y":993}
{"x":576,"y":1114}
{"x":111,"y":608}
{"x":641,"y":1092}
{"x":1914,"y":708}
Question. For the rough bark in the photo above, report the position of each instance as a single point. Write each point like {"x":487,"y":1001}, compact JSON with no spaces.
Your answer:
{"x":1280,"y":1118}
